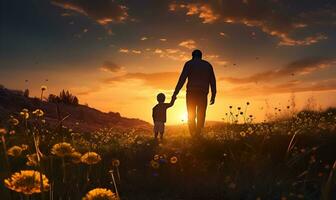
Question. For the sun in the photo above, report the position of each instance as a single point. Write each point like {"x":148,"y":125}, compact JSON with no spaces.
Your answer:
{"x":184,"y":117}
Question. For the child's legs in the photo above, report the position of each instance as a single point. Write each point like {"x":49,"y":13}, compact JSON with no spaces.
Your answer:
{"x":158,"y":129}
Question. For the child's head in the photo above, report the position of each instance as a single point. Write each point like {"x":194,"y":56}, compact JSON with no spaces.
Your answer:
{"x":161,"y":98}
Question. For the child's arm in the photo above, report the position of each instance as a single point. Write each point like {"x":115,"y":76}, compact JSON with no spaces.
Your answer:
{"x":172,"y":101}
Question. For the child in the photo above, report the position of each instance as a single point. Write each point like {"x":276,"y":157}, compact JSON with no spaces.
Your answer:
{"x":159,"y":114}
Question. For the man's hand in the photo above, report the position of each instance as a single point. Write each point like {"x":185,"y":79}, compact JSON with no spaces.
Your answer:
{"x":212,"y":100}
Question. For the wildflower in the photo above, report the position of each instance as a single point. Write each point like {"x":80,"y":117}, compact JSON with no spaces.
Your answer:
{"x":38,"y":113}
{"x":90,"y":158}
{"x":242,"y":133}
{"x":247,"y":103}
{"x":15,"y":151}
{"x":230,"y":107}
{"x":155,"y":164}
{"x":241,"y":113}
{"x":27,"y":182}
{"x":100,"y":194}
{"x":62,"y":149}
{"x":25,"y":110}
{"x":32,"y":160}
{"x":24,"y":146}
{"x":12,"y":132}
{"x":173,"y":160}
{"x":156,"y":157}
{"x":43,"y":87}
{"x":239,"y":108}
{"x":13,"y":121}
{"x":76,"y":157}
{"x":3,"y":131}
{"x":24,"y":114}
{"x":115,"y":162}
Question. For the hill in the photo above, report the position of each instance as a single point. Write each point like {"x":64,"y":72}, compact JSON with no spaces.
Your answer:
{"x":81,"y":118}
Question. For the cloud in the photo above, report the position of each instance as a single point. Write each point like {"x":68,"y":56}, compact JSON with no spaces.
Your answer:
{"x":122,"y":50}
{"x":173,"y":54}
{"x":136,"y":51}
{"x":189,"y":44}
{"x":288,"y":87}
{"x":102,"y":11}
{"x":159,"y":80}
{"x":276,"y":18}
{"x":203,"y":11}
{"x":298,"y":67}
{"x":109,"y":66}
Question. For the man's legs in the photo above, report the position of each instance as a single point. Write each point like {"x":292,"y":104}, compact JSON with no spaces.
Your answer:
{"x":191,"y":107}
{"x":202,"y":101}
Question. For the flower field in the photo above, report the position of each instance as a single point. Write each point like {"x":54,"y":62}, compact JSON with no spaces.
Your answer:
{"x":292,"y":158}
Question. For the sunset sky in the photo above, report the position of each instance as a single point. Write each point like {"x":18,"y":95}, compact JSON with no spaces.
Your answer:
{"x":118,"y":55}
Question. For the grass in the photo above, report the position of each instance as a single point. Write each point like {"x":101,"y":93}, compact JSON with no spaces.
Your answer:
{"x":292,"y":158}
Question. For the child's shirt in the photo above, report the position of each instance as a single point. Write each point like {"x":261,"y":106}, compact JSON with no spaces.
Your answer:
{"x":160,"y":111}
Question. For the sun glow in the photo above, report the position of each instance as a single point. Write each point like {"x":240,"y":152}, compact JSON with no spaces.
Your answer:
{"x":184,"y":117}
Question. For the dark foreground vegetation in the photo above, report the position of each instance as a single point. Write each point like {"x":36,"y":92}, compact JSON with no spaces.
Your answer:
{"x":291,"y":158}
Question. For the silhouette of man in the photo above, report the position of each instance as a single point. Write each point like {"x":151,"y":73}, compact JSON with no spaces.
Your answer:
{"x":200,"y":76}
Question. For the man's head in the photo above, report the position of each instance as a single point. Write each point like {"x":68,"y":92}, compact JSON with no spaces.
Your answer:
{"x":197,"y":54}
{"x":161,"y":98}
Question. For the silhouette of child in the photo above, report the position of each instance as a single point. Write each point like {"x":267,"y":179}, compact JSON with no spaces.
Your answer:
{"x":160,"y":114}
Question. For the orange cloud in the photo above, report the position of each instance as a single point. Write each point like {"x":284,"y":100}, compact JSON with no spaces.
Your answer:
{"x":289,"y":87}
{"x":189,"y":44}
{"x":102,"y":11}
{"x":160,"y":80}
{"x":299,"y":67}
{"x":266,"y":15}
{"x":109,"y":66}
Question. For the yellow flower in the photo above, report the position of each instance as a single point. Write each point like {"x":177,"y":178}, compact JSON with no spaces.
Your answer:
{"x":90,"y":158}
{"x":62,"y":149}
{"x":155,"y":164}
{"x":15,"y":151}
{"x":76,"y":157}
{"x":115,"y":162}
{"x":173,"y":160}
{"x":242,"y":133}
{"x":32,"y":160}
{"x":13,"y":121}
{"x":100,"y":194}
{"x":24,"y":114}
{"x":27,"y":182}
{"x":38,"y":113}
{"x":24,"y":146}
{"x":25,"y":110}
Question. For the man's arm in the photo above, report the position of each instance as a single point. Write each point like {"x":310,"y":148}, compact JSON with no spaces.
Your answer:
{"x":182,"y":79}
{"x":212,"y":85}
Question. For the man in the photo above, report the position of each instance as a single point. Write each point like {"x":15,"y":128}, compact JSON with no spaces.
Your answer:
{"x":200,"y":76}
